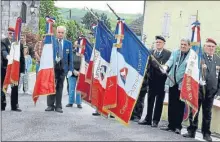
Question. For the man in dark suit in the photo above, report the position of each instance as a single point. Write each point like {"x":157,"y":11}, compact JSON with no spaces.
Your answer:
{"x":63,"y":60}
{"x":156,"y":81}
{"x":211,"y":82}
{"x":5,"y":50}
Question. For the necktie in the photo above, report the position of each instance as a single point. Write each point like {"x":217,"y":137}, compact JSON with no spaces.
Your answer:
{"x":60,"y":49}
{"x":181,"y":58}
{"x":210,"y":58}
{"x":157,"y":54}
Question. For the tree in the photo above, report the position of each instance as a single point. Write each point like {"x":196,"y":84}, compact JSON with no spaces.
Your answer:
{"x":47,"y":8}
{"x":106,"y":20}
{"x":88,"y":19}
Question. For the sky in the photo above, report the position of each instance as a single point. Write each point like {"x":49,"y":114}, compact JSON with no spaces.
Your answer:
{"x":128,"y":7}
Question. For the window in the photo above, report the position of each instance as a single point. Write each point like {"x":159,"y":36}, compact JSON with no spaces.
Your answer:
{"x":192,"y":19}
{"x":166,"y":25}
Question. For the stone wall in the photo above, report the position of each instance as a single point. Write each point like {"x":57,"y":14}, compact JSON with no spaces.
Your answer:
{"x":10,"y":10}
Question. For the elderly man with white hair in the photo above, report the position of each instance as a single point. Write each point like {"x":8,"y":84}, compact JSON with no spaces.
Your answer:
{"x":63,"y":62}
{"x":176,"y":65}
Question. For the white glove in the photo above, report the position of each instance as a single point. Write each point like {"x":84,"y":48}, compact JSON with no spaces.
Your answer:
{"x":202,"y":82}
{"x":69,"y":74}
{"x":58,"y":59}
{"x":8,"y":57}
{"x":164,"y":69}
{"x":76,"y":73}
{"x":217,"y":97}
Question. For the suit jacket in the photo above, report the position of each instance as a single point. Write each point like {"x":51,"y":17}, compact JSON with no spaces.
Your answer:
{"x":5,"y":50}
{"x":67,"y":60}
{"x":156,"y":79}
{"x":212,"y":75}
{"x":173,"y":63}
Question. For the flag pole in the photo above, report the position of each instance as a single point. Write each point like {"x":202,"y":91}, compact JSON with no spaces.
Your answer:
{"x":113,"y":11}
{"x":93,"y":14}
{"x":160,"y":66}
{"x":197,"y":15}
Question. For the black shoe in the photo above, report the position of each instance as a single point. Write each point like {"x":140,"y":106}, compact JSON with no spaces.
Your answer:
{"x":3,"y":109}
{"x":49,"y":108}
{"x":189,"y":135}
{"x":59,"y":110}
{"x":17,"y":109}
{"x":69,"y":105}
{"x":207,"y":137}
{"x":154,"y":125}
{"x":166,"y":128}
{"x":79,"y":106}
{"x":177,"y":131}
{"x":136,"y":119}
{"x":112,"y":116}
{"x":95,"y":114}
{"x":144,"y":122}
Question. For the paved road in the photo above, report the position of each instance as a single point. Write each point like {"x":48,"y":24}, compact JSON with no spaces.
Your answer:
{"x":34,"y":124}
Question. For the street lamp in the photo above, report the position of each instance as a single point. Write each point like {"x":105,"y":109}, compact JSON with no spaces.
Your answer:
{"x":32,"y":7}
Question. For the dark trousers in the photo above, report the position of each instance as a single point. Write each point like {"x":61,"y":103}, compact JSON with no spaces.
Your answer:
{"x":175,"y":108}
{"x":51,"y":99}
{"x":3,"y":98}
{"x":152,"y":97}
{"x":14,"y":93}
{"x":138,"y":109}
{"x":206,"y":101}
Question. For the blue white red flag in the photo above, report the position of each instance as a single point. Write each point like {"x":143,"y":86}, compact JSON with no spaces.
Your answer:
{"x":190,"y":86}
{"x":13,"y":68}
{"x":83,"y":86}
{"x":45,"y":81}
{"x":101,"y":60}
{"x":129,"y":59}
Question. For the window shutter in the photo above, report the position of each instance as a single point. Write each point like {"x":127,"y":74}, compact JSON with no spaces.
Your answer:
{"x":166,"y":25}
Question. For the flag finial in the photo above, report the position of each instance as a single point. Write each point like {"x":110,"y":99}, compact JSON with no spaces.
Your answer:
{"x":197,"y":15}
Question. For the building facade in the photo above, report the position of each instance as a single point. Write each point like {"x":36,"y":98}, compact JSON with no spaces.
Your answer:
{"x":173,"y":20}
{"x":10,"y":10}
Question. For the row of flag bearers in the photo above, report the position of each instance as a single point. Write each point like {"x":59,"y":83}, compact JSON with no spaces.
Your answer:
{"x":115,"y":74}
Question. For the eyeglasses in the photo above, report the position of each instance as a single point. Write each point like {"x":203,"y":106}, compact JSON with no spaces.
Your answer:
{"x":210,"y":46}
{"x":184,"y":44}
{"x":10,"y":33}
{"x":159,"y":42}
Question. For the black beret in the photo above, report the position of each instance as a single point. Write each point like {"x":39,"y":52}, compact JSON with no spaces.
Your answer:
{"x":160,"y":37}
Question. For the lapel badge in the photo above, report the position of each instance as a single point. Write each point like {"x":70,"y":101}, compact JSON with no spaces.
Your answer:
{"x":67,"y":51}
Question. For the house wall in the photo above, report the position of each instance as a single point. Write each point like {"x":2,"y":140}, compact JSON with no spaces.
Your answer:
{"x":178,"y":25}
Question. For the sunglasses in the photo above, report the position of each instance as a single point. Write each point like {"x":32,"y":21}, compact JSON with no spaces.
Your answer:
{"x":10,"y":33}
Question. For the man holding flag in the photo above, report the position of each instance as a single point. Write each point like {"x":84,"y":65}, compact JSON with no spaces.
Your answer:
{"x":6,"y":45}
{"x":176,"y":65}
{"x":210,"y":77}
{"x":63,"y":59}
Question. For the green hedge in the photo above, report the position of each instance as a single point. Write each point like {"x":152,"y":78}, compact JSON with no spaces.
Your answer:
{"x":33,"y":69}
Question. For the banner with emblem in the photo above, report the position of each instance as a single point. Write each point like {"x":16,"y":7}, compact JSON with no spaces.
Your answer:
{"x":83,"y":86}
{"x":190,"y":86}
{"x":128,"y":64}
{"x":101,"y":60}
{"x":45,"y":81}
{"x":13,"y":68}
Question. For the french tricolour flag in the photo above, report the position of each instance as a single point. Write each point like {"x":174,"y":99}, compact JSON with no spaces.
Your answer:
{"x":129,"y":59}
{"x":190,"y":86}
{"x":101,"y":60}
{"x":83,"y":86}
{"x":45,"y":81}
{"x":13,"y":67}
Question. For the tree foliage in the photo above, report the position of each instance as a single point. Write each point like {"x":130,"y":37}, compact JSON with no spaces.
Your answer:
{"x":88,"y":20}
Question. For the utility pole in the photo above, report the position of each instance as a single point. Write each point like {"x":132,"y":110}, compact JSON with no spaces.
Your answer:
{"x":70,"y":14}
